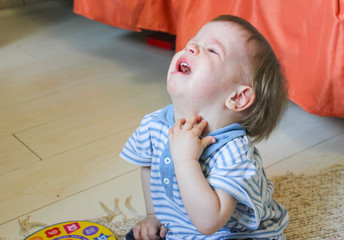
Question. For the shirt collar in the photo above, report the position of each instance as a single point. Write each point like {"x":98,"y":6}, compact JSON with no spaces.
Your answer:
{"x":222,"y":135}
{"x":166,"y":115}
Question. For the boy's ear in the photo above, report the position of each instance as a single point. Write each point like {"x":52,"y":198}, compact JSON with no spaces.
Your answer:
{"x":241,"y":99}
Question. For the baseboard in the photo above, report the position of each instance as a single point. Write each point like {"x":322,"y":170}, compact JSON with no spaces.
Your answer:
{"x":17,"y":3}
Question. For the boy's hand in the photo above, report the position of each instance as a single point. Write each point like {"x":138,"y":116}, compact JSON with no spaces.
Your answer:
{"x":149,"y":229}
{"x":185,"y":142}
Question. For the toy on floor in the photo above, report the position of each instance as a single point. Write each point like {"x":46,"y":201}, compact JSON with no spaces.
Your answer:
{"x":73,"y":230}
{"x":103,"y":228}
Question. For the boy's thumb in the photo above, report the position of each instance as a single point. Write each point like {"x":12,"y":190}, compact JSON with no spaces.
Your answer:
{"x":163,"y":231}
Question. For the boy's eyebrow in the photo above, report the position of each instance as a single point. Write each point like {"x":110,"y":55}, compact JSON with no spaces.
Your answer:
{"x":212,"y":41}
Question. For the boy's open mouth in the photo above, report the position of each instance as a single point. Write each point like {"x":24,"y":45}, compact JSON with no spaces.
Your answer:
{"x":183,"y":67}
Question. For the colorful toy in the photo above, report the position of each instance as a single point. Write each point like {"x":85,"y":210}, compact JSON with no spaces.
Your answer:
{"x":73,"y":230}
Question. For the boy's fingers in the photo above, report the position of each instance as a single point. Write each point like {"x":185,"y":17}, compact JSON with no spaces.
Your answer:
{"x":179,"y":123}
{"x":137,"y":231}
{"x":206,"y":141}
{"x":152,"y":233}
{"x":201,"y":125}
{"x":143,"y":234}
{"x":198,"y":129}
{"x":190,"y":123}
{"x":137,"y":234}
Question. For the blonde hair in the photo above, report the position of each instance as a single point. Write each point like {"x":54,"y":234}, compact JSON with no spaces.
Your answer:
{"x":268,"y":82}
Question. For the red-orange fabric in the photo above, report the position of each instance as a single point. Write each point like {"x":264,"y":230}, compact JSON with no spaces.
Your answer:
{"x":307,"y":36}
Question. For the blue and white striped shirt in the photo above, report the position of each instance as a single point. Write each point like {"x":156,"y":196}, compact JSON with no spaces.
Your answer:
{"x":232,"y":164}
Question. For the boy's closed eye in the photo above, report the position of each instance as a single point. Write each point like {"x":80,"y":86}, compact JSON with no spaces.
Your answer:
{"x":211,"y":50}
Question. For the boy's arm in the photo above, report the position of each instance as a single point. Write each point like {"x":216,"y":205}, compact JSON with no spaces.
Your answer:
{"x":208,"y":209}
{"x":150,"y":227}
{"x":145,"y":179}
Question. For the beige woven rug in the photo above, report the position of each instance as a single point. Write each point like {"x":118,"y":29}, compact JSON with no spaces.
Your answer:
{"x":315,"y":205}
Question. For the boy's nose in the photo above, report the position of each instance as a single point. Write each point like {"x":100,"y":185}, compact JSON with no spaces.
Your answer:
{"x":192,"y":47}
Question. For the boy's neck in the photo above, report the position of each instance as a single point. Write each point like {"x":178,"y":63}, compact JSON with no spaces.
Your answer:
{"x":216,"y":118}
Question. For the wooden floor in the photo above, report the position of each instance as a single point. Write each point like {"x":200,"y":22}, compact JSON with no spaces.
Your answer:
{"x":73,"y":90}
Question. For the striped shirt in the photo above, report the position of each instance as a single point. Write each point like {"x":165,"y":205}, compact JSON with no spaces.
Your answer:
{"x":232,"y":164}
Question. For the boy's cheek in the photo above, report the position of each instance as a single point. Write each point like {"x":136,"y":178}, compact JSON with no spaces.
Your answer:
{"x":204,"y":87}
{"x":171,"y":87}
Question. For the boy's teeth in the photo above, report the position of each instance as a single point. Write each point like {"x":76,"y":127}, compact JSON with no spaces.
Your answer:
{"x":184,"y":67}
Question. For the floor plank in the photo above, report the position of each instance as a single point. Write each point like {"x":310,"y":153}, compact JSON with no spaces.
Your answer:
{"x":60,"y":104}
{"x":55,"y":49}
{"x":13,"y":154}
{"x":297,"y":131}
{"x":313,"y":159}
{"x":79,"y":129}
{"x":45,"y":182}
{"x":18,"y":88}
{"x":86,"y":205}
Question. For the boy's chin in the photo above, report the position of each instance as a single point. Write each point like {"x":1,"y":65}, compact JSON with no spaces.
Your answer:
{"x":177,"y":85}
{"x":174,"y":93}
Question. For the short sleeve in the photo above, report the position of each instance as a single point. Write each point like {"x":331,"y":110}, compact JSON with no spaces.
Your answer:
{"x":239,"y":175}
{"x":138,"y":149}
